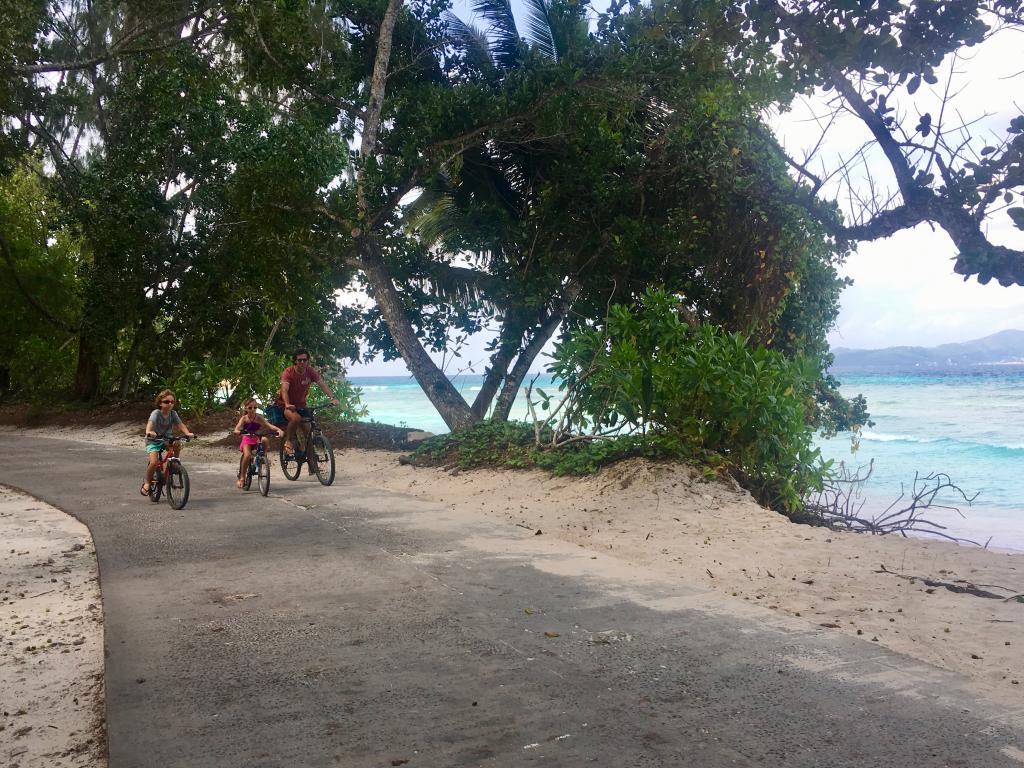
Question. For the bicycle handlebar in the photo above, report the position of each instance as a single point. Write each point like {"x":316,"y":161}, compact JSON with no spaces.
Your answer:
{"x":165,"y":439}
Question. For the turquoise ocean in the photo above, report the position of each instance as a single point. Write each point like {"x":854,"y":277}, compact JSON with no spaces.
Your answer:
{"x":968,"y":424}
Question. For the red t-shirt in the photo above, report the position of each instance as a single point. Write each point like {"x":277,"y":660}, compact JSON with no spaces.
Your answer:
{"x":298,"y":385}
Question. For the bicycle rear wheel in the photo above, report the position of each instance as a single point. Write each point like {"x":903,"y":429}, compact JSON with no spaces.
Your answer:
{"x":263,"y":475}
{"x":177,"y":485}
{"x":156,"y":486}
{"x":322,"y":455}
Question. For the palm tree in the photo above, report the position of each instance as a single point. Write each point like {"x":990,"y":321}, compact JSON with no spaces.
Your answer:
{"x":478,"y":205}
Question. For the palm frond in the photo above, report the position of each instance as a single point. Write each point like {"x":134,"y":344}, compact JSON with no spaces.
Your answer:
{"x":433,"y":216}
{"x":462,"y":284}
{"x":506,"y":45}
{"x":471,"y":40}
{"x":538,"y":25}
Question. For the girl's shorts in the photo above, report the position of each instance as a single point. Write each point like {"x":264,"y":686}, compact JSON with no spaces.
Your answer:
{"x":249,"y":440}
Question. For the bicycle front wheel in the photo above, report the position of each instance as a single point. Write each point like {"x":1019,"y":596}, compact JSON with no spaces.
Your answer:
{"x":263,"y":475}
{"x":290,"y":465}
{"x":156,"y":486}
{"x":323,"y":462}
{"x":177,"y":485}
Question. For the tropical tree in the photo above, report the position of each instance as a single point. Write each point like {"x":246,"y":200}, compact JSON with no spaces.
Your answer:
{"x":881,"y":62}
{"x":142,"y":116}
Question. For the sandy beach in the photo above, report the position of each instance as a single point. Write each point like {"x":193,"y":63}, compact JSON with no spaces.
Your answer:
{"x":51,"y":649}
{"x":906,"y":594}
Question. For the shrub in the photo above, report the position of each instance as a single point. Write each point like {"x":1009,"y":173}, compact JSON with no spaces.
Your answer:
{"x":690,"y":391}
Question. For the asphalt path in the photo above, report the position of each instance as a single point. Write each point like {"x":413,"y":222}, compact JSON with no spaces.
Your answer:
{"x":345,"y":626}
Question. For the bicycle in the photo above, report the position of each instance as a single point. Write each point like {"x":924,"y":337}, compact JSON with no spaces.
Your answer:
{"x":170,"y":472}
{"x":320,"y":460}
{"x":259,"y":466}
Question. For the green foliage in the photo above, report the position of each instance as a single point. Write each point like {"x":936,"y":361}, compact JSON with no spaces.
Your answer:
{"x":350,"y":399}
{"x":489,"y":443}
{"x":512,"y":445}
{"x":208,"y":384}
{"x":645,"y":371}
{"x":645,"y":383}
{"x":39,"y":300}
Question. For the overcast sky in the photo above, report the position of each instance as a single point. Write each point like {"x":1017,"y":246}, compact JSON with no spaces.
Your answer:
{"x":905,"y":291}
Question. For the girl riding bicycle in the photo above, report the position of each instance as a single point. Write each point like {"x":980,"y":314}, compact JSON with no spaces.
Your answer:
{"x":163,"y":421}
{"x":248,"y":425}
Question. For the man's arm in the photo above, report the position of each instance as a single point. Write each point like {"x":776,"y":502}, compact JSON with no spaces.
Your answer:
{"x":285,"y":384}
{"x":327,"y":391}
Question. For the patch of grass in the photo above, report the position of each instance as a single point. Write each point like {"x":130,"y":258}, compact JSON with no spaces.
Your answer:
{"x":511,"y":445}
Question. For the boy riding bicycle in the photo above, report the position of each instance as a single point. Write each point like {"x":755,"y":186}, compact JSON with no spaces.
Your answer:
{"x":163,"y":421}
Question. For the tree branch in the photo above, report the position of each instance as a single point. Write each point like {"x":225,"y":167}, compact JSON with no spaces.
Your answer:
{"x":118,"y":48}
{"x":23,"y":290}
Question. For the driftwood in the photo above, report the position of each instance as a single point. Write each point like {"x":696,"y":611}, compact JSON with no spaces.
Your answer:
{"x":960,"y":586}
{"x":840,"y":504}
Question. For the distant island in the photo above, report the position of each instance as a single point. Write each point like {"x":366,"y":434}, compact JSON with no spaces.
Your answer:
{"x":1003,"y":348}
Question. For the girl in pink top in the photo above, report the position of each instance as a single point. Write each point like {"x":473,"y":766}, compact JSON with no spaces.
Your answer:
{"x":248,"y":427}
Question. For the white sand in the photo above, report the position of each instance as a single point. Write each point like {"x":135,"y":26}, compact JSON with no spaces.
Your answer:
{"x":668,"y":520}
{"x":51,"y":639}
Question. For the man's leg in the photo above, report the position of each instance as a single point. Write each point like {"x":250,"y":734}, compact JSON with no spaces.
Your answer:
{"x":310,"y":453}
{"x":293,"y":418}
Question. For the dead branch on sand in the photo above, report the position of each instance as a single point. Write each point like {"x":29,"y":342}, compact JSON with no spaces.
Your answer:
{"x":840,"y":504}
{"x":960,"y":586}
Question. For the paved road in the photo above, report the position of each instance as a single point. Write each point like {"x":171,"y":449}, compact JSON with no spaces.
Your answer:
{"x":348,"y":627}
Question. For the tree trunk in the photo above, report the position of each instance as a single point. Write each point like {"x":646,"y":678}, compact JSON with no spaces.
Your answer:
{"x":508,"y":342}
{"x":503,"y":406}
{"x":87,"y":374}
{"x":449,"y":403}
{"x":128,"y":374}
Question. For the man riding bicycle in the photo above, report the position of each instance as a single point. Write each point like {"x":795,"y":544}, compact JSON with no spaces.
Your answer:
{"x":291,"y":398}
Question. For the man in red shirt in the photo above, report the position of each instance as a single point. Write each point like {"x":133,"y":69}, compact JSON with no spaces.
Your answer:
{"x":295,"y":381}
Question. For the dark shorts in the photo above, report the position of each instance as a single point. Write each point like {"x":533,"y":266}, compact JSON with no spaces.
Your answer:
{"x":275,"y":415}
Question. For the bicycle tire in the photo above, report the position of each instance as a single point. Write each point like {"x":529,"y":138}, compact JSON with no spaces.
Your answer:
{"x":263,"y":475}
{"x":177,"y":485}
{"x":156,"y":486}
{"x":290,"y":465}
{"x":323,"y":459}
{"x":249,"y":472}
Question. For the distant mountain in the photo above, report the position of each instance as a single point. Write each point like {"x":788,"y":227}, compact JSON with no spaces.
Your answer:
{"x":1003,"y":348}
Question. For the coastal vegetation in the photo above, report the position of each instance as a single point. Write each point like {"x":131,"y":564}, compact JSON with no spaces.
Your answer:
{"x":644,"y":382}
{"x":187,"y":188}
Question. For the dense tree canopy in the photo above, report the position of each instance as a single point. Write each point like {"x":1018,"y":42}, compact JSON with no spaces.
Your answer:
{"x":219,"y":170}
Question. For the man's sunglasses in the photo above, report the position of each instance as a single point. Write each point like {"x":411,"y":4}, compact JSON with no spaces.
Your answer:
{"x":166,"y":402}
{"x":301,"y":359}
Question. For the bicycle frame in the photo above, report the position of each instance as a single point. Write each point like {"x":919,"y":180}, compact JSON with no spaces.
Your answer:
{"x":258,"y":460}
{"x":167,"y":457}
{"x":309,"y":432}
